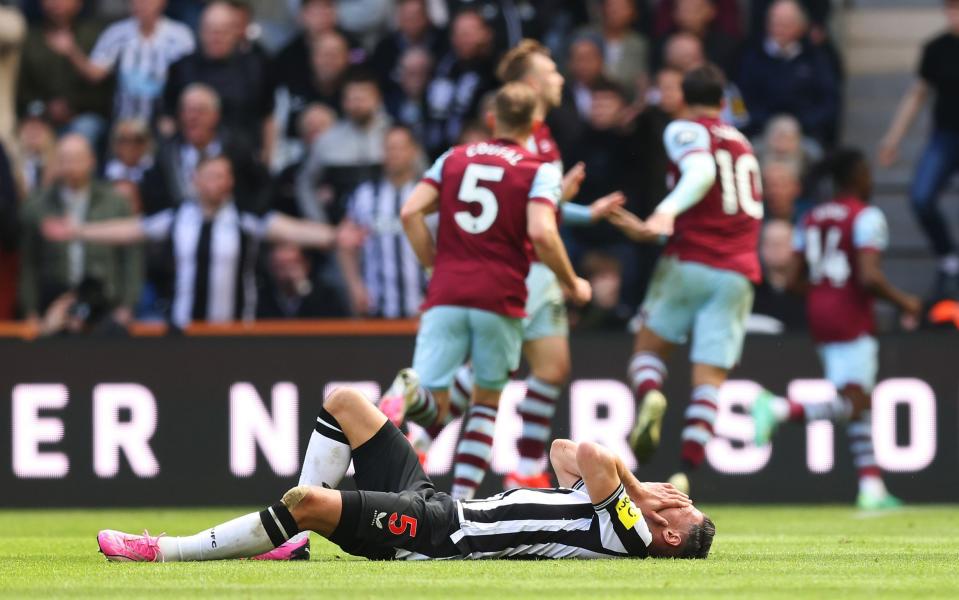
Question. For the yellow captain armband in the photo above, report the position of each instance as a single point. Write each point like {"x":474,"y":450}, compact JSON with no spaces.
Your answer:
{"x":628,"y":514}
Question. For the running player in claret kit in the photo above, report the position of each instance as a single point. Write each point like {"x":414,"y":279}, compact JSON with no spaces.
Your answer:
{"x":838,"y":247}
{"x":703,"y":281}
{"x":545,"y":327}
{"x":601,"y":510}
{"x":493,"y":199}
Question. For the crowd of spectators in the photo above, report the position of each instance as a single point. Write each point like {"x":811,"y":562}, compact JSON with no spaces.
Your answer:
{"x":328,"y":110}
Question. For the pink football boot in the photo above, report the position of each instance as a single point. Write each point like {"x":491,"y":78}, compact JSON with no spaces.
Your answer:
{"x":292,"y":549}
{"x":127,"y":547}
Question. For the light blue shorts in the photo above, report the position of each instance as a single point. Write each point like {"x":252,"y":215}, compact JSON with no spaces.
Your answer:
{"x":713,"y":303}
{"x":449,"y":335}
{"x":853,"y":362}
{"x":545,"y":305}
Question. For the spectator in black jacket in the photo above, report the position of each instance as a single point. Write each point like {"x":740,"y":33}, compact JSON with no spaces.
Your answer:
{"x":406,"y":102}
{"x":169,"y":182}
{"x":413,"y":30}
{"x":787,"y":74}
{"x":239,"y":76}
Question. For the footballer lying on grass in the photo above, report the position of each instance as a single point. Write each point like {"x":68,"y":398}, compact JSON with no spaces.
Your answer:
{"x":598,"y":512}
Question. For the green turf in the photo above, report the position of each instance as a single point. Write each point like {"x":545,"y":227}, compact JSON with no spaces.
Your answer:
{"x":760,"y":552}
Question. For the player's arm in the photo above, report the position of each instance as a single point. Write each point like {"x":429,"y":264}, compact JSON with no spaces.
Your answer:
{"x":875,"y":282}
{"x":281,"y":228}
{"x":603,"y":471}
{"x":423,"y":200}
{"x":545,"y":194}
{"x":870,"y":238}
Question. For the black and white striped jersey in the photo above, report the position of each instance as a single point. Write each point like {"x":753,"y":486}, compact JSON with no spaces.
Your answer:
{"x":551,"y":523}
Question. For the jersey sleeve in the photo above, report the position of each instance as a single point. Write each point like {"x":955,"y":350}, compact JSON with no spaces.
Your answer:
{"x":107,"y":48}
{"x":157,"y":226}
{"x":256,"y":225}
{"x":622,"y":526}
{"x":434,"y":175}
{"x":869,"y":230}
{"x":682,"y":138}
{"x":547,"y":185}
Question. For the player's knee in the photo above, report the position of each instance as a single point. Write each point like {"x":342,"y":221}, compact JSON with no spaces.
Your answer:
{"x":591,"y":453}
{"x":295,"y":496}
{"x":341,"y":400}
{"x":554,"y":373}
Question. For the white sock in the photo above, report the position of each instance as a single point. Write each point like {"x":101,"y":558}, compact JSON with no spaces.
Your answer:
{"x":871,"y":485}
{"x":242,"y":537}
{"x":327,"y":457}
{"x":949,"y":264}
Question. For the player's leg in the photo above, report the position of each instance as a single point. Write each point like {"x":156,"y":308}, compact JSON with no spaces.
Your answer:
{"x":549,"y":362}
{"x":852,"y":367}
{"x":301,"y":508}
{"x":546,"y":349}
{"x":495,"y":350}
{"x":718,"y":335}
{"x":421,"y":394}
{"x":664,"y":322}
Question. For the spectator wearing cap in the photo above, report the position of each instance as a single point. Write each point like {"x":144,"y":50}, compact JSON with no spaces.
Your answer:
{"x":199,"y":135}
{"x":238,"y":76}
{"x":50,"y":268}
{"x":49,"y":79}
{"x":346,"y":154}
{"x":139,"y":50}
{"x":461,"y":78}
{"x":787,"y":74}
{"x":625,"y":51}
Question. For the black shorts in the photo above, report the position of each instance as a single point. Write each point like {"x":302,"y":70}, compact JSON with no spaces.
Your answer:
{"x":396,"y":506}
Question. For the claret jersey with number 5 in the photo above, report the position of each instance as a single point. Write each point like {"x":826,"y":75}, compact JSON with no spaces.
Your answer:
{"x":484,"y":190}
{"x":722,"y":229}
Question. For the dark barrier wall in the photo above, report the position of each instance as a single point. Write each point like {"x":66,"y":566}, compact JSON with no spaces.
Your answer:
{"x":196,"y":421}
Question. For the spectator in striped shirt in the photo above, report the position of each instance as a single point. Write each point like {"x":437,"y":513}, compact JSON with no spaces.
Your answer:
{"x":139,"y":50}
{"x":383,"y":277}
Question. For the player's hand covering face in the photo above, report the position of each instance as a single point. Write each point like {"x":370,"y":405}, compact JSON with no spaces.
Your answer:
{"x":654,"y":497}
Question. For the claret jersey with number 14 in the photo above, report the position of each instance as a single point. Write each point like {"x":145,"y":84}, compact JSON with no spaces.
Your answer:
{"x":722,"y":229}
{"x":830,"y":236}
{"x":481,"y":257}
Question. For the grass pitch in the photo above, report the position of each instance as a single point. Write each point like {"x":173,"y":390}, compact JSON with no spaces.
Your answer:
{"x":759,"y":552}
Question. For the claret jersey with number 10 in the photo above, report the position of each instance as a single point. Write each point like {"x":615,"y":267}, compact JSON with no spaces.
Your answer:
{"x":722,"y":229}
{"x":481,"y":257}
